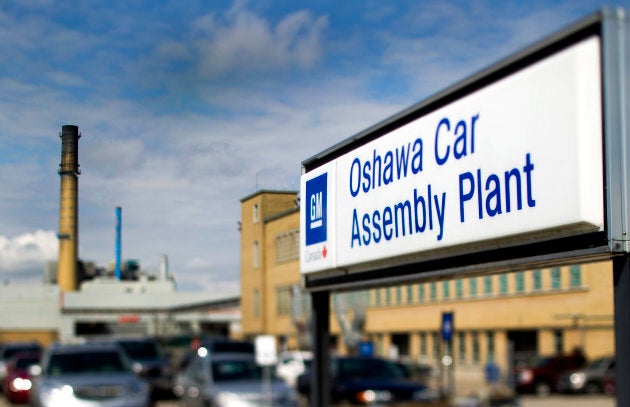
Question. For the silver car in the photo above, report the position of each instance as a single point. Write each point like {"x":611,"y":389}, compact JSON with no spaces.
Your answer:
{"x":87,"y":375}
{"x":232,"y":379}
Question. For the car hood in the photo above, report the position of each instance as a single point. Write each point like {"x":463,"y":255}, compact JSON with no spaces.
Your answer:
{"x":251,"y":386}
{"x":381,"y":384}
{"x":79,"y":380}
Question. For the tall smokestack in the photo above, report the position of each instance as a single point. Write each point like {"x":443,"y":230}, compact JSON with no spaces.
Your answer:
{"x":68,"y":209}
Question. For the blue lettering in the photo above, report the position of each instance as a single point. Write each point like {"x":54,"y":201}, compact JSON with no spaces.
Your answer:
{"x":355,"y":230}
{"x":467,"y":178}
{"x":366,"y":228}
{"x":376,"y":217}
{"x":441,"y":159}
{"x":354,"y":187}
{"x":387,"y":223}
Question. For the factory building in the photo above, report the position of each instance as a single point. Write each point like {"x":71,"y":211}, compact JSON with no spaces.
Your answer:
{"x":496,"y":317}
{"x":78,"y":300}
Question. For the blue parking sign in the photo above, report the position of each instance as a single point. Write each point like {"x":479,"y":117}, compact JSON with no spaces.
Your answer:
{"x":447,"y":326}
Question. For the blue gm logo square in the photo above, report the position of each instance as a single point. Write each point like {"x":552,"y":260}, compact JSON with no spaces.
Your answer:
{"x":316,"y":191}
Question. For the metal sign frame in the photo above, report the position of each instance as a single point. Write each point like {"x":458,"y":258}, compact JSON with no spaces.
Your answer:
{"x":612,"y":25}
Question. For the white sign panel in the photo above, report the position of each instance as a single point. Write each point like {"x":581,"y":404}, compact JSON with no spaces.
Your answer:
{"x":266,"y":354}
{"x":522,"y":156}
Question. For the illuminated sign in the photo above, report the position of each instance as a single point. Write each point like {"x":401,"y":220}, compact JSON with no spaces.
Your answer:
{"x":520,"y":159}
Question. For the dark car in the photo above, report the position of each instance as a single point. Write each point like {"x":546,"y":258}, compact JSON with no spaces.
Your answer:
{"x":8,"y":349}
{"x":150,"y":362}
{"x":17,"y":384}
{"x":368,"y":380}
{"x":590,"y":379}
{"x":541,"y":377}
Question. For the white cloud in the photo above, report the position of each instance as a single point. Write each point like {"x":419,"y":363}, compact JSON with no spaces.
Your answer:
{"x":24,"y":256}
{"x":245,"y":42}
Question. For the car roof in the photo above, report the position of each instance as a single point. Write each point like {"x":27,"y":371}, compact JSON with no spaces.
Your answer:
{"x":134,"y":339}
{"x":83,"y":347}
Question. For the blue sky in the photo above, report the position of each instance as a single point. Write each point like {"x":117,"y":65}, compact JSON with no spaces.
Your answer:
{"x":187,"y":107}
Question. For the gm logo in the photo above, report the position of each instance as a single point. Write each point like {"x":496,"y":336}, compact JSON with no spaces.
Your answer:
{"x":316,"y":212}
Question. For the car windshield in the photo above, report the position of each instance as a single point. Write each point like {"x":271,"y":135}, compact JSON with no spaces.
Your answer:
{"x":597,"y":363}
{"x":141,"y":350}
{"x":543,"y":362}
{"x":233,"y":370}
{"x":23,"y":363}
{"x":368,"y":369}
{"x":86,"y":362}
{"x":231,"y":347}
{"x":9,"y":352}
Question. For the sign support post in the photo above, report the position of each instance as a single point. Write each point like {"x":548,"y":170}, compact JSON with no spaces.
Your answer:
{"x":320,"y":379}
{"x":621,"y":271}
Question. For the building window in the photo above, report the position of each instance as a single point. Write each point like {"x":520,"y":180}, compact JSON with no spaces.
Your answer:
{"x":420,"y":292}
{"x":503,"y":283}
{"x":423,"y":345}
{"x":576,"y":276}
{"x":556,"y":276}
{"x":472,"y":285}
{"x":255,"y":254}
{"x":446,"y":290}
{"x":537,"y":277}
{"x":459,"y":288}
{"x":256,"y":303}
{"x":287,"y":246}
{"x":487,"y":285}
{"x":558,"y":341}
{"x":283,"y":301}
{"x":475,"y":348}
{"x":377,"y":297}
{"x":409,"y":294}
{"x":520,"y":281}
{"x":433,"y":291}
{"x":461,"y":342}
{"x":398,"y":295}
{"x":490,"y":343}
{"x":388,"y":296}
{"x":255,"y":214}
{"x":436,"y":345}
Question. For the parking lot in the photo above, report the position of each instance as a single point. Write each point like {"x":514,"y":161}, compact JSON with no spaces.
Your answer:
{"x":525,"y":401}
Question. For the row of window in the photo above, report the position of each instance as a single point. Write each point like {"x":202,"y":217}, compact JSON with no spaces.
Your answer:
{"x":465,"y":348}
{"x":423,"y":292}
{"x":287,"y":248}
{"x":470,"y":287}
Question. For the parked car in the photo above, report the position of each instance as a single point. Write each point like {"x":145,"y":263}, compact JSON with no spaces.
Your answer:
{"x":217,"y":345}
{"x":541,"y":377}
{"x":369,"y":380}
{"x":17,"y":383}
{"x":590,"y":379}
{"x":8,"y":349}
{"x":87,"y":375}
{"x":291,"y":364}
{"x":150,"y":362}
{"x":232,"y":379}
{"x":214,"y":345}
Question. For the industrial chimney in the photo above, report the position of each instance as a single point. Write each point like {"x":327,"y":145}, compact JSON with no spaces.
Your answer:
{"x":68,"y":209}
